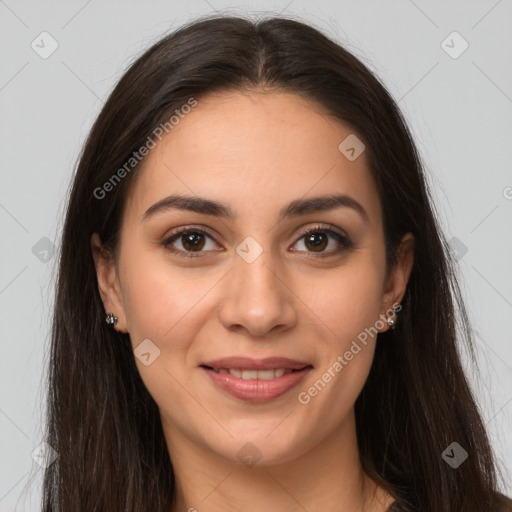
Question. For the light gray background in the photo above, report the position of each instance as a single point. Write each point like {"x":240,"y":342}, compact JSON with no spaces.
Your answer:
{"x":459,"y":109}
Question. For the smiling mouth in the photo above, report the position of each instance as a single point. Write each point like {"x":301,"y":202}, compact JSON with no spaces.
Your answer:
{"x":269,"y":374}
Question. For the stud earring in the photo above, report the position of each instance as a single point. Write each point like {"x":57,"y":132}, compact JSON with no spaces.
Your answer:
{"x":392,"y":319}
{"x":111,"y":319}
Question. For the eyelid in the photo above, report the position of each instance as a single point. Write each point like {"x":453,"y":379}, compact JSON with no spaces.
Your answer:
{"x":192,"y":228}
{"x":326,"y":228}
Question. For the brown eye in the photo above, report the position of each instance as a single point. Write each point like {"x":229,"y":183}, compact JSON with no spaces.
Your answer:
{"x":317,"y":240}
{"x":189,"y":242}
{"x":193,"y":241}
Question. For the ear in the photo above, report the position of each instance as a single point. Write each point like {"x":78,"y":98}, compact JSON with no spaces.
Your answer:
{"x":398,"y":278}
{"x":108,"y":283}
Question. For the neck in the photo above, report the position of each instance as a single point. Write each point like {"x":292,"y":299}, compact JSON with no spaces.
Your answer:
{"x":329,"y":476}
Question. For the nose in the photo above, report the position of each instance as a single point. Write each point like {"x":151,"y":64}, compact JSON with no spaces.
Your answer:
{"x":257,"y":298}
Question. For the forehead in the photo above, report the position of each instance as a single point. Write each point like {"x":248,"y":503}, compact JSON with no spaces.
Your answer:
{"x":254,"y":152}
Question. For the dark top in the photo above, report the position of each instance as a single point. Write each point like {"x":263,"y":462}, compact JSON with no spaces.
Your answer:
{"x":505,"y":504}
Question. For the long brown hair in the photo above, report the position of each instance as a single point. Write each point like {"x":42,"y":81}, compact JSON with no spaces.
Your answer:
{"x":416,"y":402}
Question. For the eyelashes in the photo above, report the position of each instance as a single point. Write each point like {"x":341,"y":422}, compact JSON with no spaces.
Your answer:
{"x":319,"y":236}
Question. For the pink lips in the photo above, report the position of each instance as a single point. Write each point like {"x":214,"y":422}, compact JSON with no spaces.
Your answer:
{"x":246,"y":363}
{"x":256,"y":390}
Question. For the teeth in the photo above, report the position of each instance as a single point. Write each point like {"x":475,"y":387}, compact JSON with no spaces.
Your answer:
{"x":255,"y":374}
{"x":250,"y":374}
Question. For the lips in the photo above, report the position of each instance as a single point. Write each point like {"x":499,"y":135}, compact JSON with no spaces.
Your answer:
{"x":255,"y":374}
{"x":256,"y":380}
{"x":246,"y":363}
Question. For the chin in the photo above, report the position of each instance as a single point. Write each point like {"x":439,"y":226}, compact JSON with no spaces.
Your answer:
{"x":262,"y":450}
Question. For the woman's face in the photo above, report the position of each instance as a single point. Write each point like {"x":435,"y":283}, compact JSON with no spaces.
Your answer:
{"x":253,"y":285}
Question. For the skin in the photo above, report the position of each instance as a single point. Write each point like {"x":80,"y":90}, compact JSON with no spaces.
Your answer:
{"x":255,"y":152}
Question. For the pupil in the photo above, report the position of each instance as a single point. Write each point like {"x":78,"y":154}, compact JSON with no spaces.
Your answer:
{"x":192,"y":241}
{"x":316,"y":243}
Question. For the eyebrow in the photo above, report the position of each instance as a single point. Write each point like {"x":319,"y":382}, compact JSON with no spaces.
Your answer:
{"x":294,"y":209}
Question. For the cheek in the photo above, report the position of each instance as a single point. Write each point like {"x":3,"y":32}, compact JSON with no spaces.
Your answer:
{"x":350,"y":310}
{"x":157,"y":296}
{"x":346,"y":301}
{"x":347,"y":305}
{"x":162,"y":305}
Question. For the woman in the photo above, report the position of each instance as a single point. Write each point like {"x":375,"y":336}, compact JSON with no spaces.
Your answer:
{"x":250,"y":217}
